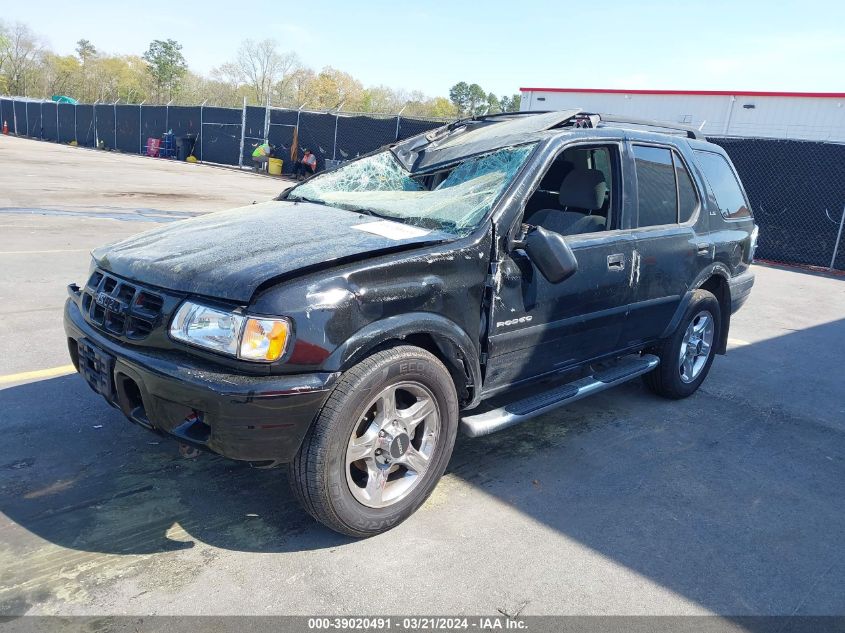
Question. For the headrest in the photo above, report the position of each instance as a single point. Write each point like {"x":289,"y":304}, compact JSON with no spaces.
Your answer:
{"x":583,"y":189}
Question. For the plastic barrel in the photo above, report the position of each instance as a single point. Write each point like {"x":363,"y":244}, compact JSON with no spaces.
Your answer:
{"x":274,"y":166}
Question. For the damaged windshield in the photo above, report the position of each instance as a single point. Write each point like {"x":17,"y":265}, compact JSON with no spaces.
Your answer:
{"x":453,"y":199}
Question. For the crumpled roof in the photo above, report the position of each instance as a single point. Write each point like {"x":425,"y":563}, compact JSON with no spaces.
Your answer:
{"x":476,"y":137}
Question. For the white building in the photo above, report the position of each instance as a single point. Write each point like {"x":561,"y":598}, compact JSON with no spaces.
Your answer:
{"x":818,"y":116}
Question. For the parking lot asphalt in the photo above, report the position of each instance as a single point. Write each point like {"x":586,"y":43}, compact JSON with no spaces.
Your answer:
{"x":729,"y":502}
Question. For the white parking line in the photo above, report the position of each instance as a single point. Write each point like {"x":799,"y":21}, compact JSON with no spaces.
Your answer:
{"x":58,"y":250}
{"x":737,"y":342}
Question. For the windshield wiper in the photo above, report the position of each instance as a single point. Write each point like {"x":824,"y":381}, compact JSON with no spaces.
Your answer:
{"x":311,"y":200}
{"x":414,"y":220}
{"x":421,"y":221}
{"x":426,"y":222}
{"x":361,"y":210}
{"x":370,"y":212}
{"x":364,"y":211}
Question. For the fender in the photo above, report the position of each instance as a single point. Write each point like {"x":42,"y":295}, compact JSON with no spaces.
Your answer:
{"x":716,"y":268}
{"x":454,"y":343}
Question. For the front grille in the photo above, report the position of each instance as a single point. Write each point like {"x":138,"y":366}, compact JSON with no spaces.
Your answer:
{"x":121,"y":308}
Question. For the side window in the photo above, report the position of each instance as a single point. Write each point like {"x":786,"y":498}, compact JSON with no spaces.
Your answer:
{"x":687,"y":198}
{"x":724,"y":184}
{"x":656,"y":191}
{"x":576,"y":195}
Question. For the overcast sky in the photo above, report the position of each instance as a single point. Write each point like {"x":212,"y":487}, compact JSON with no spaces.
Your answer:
{"x":503,"y":46}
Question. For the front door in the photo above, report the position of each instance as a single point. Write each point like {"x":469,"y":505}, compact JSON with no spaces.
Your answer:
{"x":538,"y":327}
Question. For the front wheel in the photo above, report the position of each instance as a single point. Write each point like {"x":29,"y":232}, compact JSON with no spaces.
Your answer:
{"x":380,"y":444}
{"x":686,"y":357}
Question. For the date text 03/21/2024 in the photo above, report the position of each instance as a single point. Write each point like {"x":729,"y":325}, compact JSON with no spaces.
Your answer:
{"x":432,"y":623}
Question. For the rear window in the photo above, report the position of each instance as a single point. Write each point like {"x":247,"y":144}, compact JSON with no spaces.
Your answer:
{"x":724,"y":184}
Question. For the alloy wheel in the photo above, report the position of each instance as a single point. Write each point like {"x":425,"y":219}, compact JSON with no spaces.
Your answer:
{"x":696,"y":346}
{"x":392,"y":444}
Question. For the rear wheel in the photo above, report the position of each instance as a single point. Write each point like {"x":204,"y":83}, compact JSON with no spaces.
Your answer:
{"x":686,"y":357}
{"x":380,"y":443}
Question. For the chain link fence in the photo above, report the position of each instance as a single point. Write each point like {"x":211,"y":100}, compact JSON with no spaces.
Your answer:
{"x":797,"y":192}
{"x":796,"y":188}
{"x":225,"y":136}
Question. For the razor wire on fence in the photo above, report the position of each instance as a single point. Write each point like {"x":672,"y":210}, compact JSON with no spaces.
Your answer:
{"x":796,"y":188}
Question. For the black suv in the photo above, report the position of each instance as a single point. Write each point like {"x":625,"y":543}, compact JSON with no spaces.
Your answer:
{"x":471,"y":277}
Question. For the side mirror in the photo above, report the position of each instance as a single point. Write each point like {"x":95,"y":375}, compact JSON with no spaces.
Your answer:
{"x":550,"y":254}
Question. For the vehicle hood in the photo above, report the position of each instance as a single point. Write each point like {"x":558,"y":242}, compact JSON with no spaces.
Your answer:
{"x":229,"y":254}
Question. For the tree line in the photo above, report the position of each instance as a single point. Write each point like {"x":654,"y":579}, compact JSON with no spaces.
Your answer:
{"x":259,"y":72}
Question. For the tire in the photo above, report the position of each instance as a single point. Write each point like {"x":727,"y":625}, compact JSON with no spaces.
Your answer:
{"x":368,"y":496}
{"x":672,"y":378}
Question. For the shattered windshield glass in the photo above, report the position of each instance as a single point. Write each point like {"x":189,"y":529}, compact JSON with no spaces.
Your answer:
{"x":453,"y":199}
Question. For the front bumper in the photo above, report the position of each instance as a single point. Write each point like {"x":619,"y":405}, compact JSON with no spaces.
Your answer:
{"x":260,"y":419}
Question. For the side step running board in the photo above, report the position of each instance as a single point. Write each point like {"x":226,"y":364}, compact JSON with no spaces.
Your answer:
{"x":487,"y":422}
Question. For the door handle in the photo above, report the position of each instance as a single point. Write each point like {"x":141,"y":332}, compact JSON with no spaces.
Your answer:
{"x":616,"y":261}
{"x":704,"y":249}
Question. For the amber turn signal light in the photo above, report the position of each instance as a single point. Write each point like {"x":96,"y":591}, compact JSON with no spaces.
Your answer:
{"x":264,"y":339}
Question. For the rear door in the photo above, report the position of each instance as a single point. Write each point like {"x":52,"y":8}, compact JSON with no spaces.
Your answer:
{"x":671,"y":241}
{"x":731,"y":222}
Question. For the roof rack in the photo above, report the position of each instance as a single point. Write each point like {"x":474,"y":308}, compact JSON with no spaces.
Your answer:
{"x":690,"y":132}
{"x":495,"y":115}
{"x":480,"y":117}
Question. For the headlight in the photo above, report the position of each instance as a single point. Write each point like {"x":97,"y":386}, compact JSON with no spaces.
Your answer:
{"x":207,"y":327}
{"x":237,"y":335}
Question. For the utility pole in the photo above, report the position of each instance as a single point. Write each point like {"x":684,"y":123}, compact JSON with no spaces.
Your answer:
{"x":838,"y":239}
{"x":336,"y":120}
{"x":243,"y":134}
{"x":141,"y":127}
{"x":115,"y":123}
{"x":398,"y":118}
{"x":202,"y":105}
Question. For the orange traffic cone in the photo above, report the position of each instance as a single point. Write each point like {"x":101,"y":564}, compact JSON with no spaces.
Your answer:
{"x":6,"y":128}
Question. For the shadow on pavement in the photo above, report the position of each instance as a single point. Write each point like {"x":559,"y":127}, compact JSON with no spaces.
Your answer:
{"x":733,"y":498}
{"x":74,"y":471}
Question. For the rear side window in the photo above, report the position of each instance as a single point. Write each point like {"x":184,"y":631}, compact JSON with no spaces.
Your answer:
{"x":656,"y":191}
{"x":687,"y":198}
{"x":724,"y":184}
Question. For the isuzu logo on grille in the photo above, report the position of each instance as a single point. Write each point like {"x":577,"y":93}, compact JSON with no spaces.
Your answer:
{"x":108,"y":302}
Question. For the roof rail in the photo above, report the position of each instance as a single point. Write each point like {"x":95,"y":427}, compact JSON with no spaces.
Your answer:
{"x":563,"y":117}
{"x":484,"y":117}
{"x":479,"y":117}
{"x":690,"y":132}
{"x":584,"y":119}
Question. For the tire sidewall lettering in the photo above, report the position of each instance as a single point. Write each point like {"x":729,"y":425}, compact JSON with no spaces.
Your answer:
{"x":345,"y":505}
